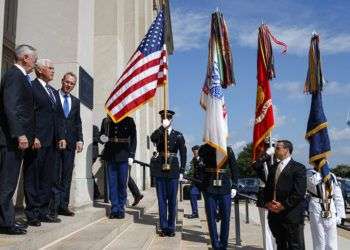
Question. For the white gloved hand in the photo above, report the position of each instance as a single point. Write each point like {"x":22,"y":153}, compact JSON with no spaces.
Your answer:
{"x":104,"y":138}
{"x":233,"y":193}
{"x":338,"y":219}
{"x":270,"y":151}
{"x":181,"y":177}
{"x":165,"y":123}
{"x":130,"y":161}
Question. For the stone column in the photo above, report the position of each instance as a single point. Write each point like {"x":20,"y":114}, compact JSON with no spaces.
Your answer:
{"x":63,"y":31}
{"x":2,"y":14}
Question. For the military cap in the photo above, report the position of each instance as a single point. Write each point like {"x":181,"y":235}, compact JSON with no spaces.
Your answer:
{"x":169,"y":113}
{"x":195,"y":147}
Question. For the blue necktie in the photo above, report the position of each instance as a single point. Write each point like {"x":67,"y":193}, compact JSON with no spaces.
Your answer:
{"x":29,"y":80}
{"x":66,"y":106}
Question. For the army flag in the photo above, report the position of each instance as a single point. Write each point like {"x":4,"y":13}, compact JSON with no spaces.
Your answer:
{"x":219,"y":76}
{"x":146,"y":69}
{"x":264,"y":119}
{"x":317,"y":133}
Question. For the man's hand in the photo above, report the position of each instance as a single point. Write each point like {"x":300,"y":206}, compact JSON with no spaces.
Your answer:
{"x":36,"y":144}
{"x":130,"y":161}
{"x":79,"y":146}
{"x":62,"y":144}
{"x":278,"y":207}
{"x":181,"y":177}
{"x":23,"y":143}
{"x":165,"y":123}
{"x":233,"y":193}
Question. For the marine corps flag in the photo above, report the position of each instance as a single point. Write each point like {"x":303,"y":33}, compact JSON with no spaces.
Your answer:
{"x":264,"y":120}
{"x":219,"y":76}
{"x":317,"y":133}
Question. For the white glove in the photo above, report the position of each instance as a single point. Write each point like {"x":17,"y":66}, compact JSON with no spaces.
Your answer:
{"x":104,"y":138}
{"x":270,"y":151}
{"x":233,"y":193}
{"x":165,"y":123}
{"x":181,"y":177}
{"x":130,"y":161}
{"x":338,"y":219}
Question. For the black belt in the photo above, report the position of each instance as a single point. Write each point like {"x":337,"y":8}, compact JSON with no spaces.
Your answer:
{"x":214,"y":170}
{"x":119,"y":140}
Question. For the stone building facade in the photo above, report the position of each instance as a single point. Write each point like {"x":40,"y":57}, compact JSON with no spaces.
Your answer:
{"x":94,"y":39}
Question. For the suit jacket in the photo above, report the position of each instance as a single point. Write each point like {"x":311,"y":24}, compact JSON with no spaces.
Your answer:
{"x":70,"y":128}
{"x":176,"y":143}
{"x":16,"y":108}
{"x":290,"y":191}
{"x":126,"y":130}
{"x":46,"y":115}
{"x":229,"y":179}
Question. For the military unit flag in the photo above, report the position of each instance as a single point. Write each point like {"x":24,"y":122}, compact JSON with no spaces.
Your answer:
{"x":146,"y":69}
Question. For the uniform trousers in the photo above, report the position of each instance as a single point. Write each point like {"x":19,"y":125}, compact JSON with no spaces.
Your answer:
{"x":117,"y":183}
{"x":166,"y":194}
{"x":10,"y":164}
{"x":268,"y":239}
{"x":223,"y":203}
{"x":194,"y":194}
{"x":324,"y":232}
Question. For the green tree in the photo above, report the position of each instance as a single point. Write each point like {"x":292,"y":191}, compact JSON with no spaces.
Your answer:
{"x":342,"y":170}
{"x":244,"y":161}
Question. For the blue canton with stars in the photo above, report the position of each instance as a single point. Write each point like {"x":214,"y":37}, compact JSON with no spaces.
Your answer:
{"x":154,"y":38}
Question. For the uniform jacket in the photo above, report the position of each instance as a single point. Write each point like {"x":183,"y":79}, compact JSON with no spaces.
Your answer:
{"x":176,"y":144}
{"x":70,"y":127}
{"x":229,"y":179}
{"x":119,"y":151}
{"x":290,"y":191}
{"x":16,"y":108}
{"x":197,"y":168}
{"x":314,"y":179}
{"x":46,"y":115}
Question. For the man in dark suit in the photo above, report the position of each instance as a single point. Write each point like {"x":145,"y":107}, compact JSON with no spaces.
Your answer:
{"x":217,"y":195}
{"x":169,"y":172}
{"x":72,"y":141}
{"x":284,"y":198}
{"x":39,"y":164}
{"x":16,"y":131}
{"x":119,"y":152}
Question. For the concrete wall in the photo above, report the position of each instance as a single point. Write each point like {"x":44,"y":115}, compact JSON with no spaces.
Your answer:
{"x":2,"y":6}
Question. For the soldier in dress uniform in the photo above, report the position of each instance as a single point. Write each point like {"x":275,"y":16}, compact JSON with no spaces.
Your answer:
{"x":218,"y":194}
{"x":195,"y":171}
{"x":119,"y":153}
{"x":168,"y":171}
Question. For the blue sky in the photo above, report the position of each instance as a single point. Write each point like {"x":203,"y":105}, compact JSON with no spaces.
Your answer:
{"x":290,"y":21}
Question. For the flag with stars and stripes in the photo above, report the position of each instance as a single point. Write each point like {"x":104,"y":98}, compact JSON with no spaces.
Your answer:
{"x":146,"y":69}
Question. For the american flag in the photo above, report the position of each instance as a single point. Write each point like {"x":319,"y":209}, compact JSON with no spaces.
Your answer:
{"x":146,"y":69}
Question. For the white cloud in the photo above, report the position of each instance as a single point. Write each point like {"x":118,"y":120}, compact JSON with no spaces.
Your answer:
{"x":337,"y":88}
{"x":340,"y":134}
{"x":298,"y":39}
{"x":280,"y":119}
{"x":238,"y":146}
{"x":190,"y":29}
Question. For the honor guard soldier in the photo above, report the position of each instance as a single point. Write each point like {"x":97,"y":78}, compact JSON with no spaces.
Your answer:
{"x":196,"y":172}
{"x":167,"y":171}
{"x":119,"y":152}
{"x":218,"y":189}
{"x":325,"y":213}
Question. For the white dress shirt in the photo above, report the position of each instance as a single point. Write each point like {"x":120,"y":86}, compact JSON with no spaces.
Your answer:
{"x":44,"y":84}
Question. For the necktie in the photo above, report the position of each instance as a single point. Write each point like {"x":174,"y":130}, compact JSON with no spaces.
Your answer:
{"x":29,"y":80}
{"x":52,"y":97}
{"x":66,"y":106}
{"x":277,"y":175}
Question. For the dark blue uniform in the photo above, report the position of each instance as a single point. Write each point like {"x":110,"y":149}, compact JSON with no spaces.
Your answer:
{"x":167,"y":181}
{"x":121,"y":145}
{"x":218,"y":197}
{"x":196,"y":170}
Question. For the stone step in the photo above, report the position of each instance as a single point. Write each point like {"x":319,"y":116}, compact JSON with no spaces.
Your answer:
{"x":104,"y":231}
{"x":38,"y":237}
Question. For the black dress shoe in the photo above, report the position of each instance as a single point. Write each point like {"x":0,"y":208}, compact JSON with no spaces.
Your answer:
{"x":113,"y":216}
{"x":66,"y":212}
{"x":137,"y":200}
{"x":193,"y":216}
{"x":161,"y":234}
{"x":12,"y":230}
{"x":170,"y":234}
{"x":34,"y":223}
{"x":50,"y":219}
{"x":21,"y":225}
{"x":120,"y":216}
